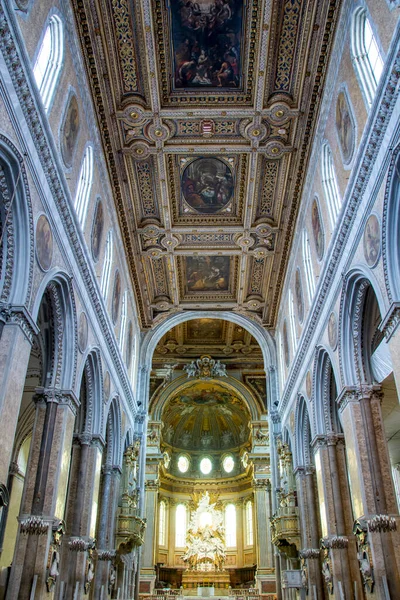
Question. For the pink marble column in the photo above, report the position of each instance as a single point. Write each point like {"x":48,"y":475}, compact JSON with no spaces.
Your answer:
{"x":44,"y":496}
{"x":15,"y":348}
{"x":372,"y":490}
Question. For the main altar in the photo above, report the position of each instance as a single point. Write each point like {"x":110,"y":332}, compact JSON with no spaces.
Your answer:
{"x":205,"y":553}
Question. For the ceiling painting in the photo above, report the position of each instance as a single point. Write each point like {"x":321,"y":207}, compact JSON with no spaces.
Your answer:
{"x":207,"y":113}
{"x":207,"y":43}
{"x":205,"y":415}
{"x":207,"y":184}
{"x":205,"y":329}
{"x":207,"y":273}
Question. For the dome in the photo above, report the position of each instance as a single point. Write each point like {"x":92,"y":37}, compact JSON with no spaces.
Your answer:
{"x":205,"y":415}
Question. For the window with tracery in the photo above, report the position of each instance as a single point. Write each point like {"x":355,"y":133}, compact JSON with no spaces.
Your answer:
{"x":367,"y":57}
{"x":180,"y":526}
{"x":230,"y":525}
{"x":49,"y":60}
{"x":84,"y":186}
{"x":249,"y":523}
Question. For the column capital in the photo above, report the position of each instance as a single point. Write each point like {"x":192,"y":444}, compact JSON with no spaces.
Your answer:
{"x":20,"y":316}
{"x":57,"y":396}
{"x":261,"y":484}
{"x":152,"y":485}
{"x":354,"y":394}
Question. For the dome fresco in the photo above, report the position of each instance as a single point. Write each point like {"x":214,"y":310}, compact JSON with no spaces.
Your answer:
{"x":205,"y":415}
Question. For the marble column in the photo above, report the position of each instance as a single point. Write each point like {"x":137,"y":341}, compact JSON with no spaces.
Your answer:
{"x":372,"y":491}
{"x":147,"y":574}
{"x":264,"y":556}
{"x":17,"y":336}
{"x":338,"y":549}
{"x":106,"y":526}
{"x":84,"y":501}
{"x":309,"y":528}
{"x":45,"y":489}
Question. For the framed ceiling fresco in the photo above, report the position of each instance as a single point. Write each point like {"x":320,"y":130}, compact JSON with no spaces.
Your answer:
{"x":207,"y":184}
{"x":207,"y":43}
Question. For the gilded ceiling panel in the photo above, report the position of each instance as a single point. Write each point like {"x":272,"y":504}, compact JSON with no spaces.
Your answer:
{"x":207,"y":189}
{"x":207,"y":50}
{"x":207,"y":113}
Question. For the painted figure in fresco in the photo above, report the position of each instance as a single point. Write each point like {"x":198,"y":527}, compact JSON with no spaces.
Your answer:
{"x":97,"y":230}
{"x":299,"y":296}
{"x":70,"y":131}
{"x":372,"y":240}
{"x":206,"y":38}
{"x":207,"y":273}
{"x":116,"y":298}
{"x":44,"y":243}
{"x":207,"y":184}
{"x":344,"y":126}
{"x":317,"y":230}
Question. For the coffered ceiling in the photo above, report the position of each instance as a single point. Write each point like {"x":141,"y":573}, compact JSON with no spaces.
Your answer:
{"x":207,"y":112}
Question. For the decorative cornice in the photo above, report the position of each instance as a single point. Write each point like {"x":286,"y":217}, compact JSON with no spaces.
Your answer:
{"x":19,"y":315}
{"x":355,"y":191}
{"x":34,"y":525}
{"x":81,"y":544}
{"x":46,"y":152}
{"x":310,"y":553}
{"x":106,"y":555}
{"x":381,"y":524}
{"x":350,"y":394}
{"x":335,"y":542}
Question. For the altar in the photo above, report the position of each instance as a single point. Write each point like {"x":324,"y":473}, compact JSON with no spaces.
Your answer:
{"x":205,"y":552}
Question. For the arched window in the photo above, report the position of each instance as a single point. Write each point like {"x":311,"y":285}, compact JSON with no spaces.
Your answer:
{"x":108,"y":257}
{"x":49,"y":60}
{"x":180,"y":526}
{"x":230,"y":525}
{"x":249,"y":523}
{"x":367,"y":58}
{"x":124,"y":314}
{"x":162,"y":523}
{"x":329,"y":184}
{"x":292,"y":321}
{"x":84,"y":186}
{"x":308,"y":266}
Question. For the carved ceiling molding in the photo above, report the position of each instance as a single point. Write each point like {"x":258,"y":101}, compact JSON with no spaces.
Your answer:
{"x":150,"y":135}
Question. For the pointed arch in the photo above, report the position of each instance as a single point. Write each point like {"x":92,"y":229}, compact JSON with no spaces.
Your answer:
{"x":302,"y":455}
{"x":55,"y":300}
{"x":114,"y":431}
{"x":16,"y":220}
{"x":325,"y":388}
{"x":361,"y":302}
